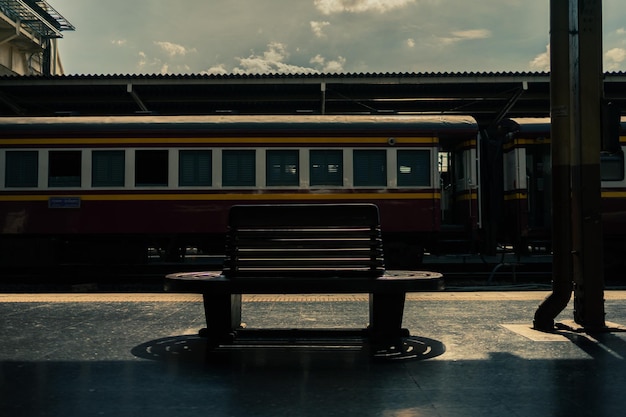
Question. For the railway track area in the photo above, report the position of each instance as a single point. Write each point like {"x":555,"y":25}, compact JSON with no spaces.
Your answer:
{"x":461,"y":272}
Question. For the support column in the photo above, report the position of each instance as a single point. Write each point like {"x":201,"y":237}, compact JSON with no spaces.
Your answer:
{"x":576,"y":109}
{"x":587,"y":88}
{"x":562,"y":280}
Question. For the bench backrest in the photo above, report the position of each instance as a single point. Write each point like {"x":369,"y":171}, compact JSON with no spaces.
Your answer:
{"x":300,"y":240}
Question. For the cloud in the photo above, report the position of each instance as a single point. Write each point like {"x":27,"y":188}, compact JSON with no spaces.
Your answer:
{"x":318,"y":27}
{"x":119,"y":42}
{"x":329,"y":66}
{"x":272,"y":61}
{"x":143,"y":60}
{"x":621,"y":31}
{"x":614,"y":58}
{"x":173,"y":49}
{"x":146,"y":64}
{"x":542,"y":61}
{"x":275,"y":60}
{"x":410,"y":42}
{"x":219,"y":69}
{"x":472,"y":34}
{"x":465,"y":35}
{"x":359,"y":6}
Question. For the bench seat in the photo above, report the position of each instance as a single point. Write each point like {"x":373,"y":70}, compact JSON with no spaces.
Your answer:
{"x":390,"y":282}
{"x":304,"y":249}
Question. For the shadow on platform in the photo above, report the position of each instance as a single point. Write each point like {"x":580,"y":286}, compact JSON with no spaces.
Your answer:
{"x":324,"y":353}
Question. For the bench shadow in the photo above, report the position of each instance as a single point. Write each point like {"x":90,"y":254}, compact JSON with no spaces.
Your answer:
{"x":194,"y":350}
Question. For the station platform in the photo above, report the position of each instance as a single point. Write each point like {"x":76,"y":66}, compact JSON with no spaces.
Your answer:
{"x":137,"y":354}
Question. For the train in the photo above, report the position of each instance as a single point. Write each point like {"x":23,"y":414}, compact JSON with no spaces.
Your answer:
{"x":132,"y":189}
{"x":103,"y":190}
{"x":527,"y":188}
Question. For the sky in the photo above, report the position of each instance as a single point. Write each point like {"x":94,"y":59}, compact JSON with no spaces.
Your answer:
{"x":317,"y":36}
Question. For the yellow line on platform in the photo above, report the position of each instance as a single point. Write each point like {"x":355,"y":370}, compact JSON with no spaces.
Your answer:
{"x":178,"y":298}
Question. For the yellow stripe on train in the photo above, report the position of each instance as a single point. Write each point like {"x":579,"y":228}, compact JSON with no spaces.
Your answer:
{"x":219,"y":140}
{"x":232,"y":196}
{"x":605,"y":194}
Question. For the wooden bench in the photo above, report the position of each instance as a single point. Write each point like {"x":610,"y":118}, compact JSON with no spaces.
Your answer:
{"x":304,"y":249}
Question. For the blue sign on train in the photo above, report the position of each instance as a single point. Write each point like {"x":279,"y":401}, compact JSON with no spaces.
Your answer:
{"x":64,"y":202}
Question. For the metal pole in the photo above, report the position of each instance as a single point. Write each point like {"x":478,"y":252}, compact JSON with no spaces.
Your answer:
{"x":586,"y":142}
{"x":560,"y":114}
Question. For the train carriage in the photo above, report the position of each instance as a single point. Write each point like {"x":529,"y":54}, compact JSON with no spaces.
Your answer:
{"x":528,"y":182}
{"x":461,"y":223}
{"x":110,"y":189}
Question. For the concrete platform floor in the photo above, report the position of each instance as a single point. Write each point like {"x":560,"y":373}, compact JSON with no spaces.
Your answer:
{"x":137,"y":355}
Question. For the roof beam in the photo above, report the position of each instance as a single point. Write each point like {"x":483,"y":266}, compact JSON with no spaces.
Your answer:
{"x":509,"y":105}
{"x":135,"y":96}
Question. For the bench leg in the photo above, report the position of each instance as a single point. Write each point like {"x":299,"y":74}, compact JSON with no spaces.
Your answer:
{"x":386,"y":311}
{"x":223,"y":316}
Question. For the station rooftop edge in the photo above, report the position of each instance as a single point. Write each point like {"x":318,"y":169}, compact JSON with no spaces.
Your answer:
{"x":483,"y":95}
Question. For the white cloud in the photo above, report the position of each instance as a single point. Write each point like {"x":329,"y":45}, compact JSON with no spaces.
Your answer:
{"x":410,"y":42}
{"x":143,"y":59}
{"x":119,"y":42}
{"x":173,"y":49}
{"x":329,"y":66}
{"x":358,"y":6}
{"x":472,"y":34}
{"x":542,"y":61}
{"x":318,"y":27}
{"x":614,"y":58}
{"x":276,"y":52}
{"x":147,"y":65}
{"x":217,"y":70}
{"x":271,"y":62}
{"x":621,"y":31}
{"x":465,"y":35}
{"x":335,"y":65}
{"x":274,"y":60}
{"x":317,"y":60}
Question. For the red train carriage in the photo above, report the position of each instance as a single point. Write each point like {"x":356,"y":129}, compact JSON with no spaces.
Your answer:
{"x":105,"y":189}
{"x":527,"y":189}
{"x":527,"y":184}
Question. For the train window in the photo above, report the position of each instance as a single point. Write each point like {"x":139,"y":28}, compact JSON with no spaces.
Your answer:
{"x":107,"y":168}
{"x":238,"y":168}
{"x":21,"y":169}
{"x":612,"y":166}
{"x":194,"y":168}
{"x":151,"y":168}
{"x":64,"y":168}
{"x":414,"y":168}
{"x":370,"y":167}
{"x":282,"y":168}
{"x":326,"y":167}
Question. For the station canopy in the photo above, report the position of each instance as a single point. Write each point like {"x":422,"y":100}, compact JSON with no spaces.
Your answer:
{"x":486,"y":96}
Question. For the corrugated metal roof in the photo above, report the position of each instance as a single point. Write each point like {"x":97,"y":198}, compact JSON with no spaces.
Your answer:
{"x":481,"y":95}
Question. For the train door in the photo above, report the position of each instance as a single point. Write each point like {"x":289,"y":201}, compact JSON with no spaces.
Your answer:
{"x":459,"y":195}
{"x":446,"y":187}
{"x":515,"y":195}
{"x":527,"y":194}
{"x":539,"y":180}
